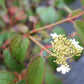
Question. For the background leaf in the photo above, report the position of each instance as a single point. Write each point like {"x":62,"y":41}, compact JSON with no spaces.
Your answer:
{"x":6,"y":77}
{"x":79,"y":26}
{"x":3,"y":37}
{"x":50,"y":77}
{"x":21,"y":82}
{"x":58,"y":30}
{"x":47,"y":15}
{"x":35,"y":71}
{"x":76,"y":12}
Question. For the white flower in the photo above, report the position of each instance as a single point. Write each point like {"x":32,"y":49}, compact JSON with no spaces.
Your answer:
{"x":75,"y":43}
{"x":54,"y":35}
{"x":63,"y":69}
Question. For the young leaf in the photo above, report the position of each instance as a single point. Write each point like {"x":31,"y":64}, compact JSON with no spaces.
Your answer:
{"x":35,"y":71}
{"x":79,"y":26}
{"x":76,"y":12}
{"x":6,"y":77}
{"x":18,"y":47}
{"x":11,"y":63}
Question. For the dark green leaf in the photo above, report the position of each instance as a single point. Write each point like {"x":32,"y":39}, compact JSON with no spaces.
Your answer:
{"x":18,"y":47}
{"x":51,"y":63}
{"x":11,"y":63}
{"x":50,"y":77}
{"x":69,"y":1}
{"x":35,"y":71}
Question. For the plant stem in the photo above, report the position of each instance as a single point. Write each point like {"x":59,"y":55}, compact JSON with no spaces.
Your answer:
{"x":39,"y":44}
{"x":57,"y":23}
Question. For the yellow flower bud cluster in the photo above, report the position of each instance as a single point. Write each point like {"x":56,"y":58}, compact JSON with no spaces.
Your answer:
{"x":64,"y":49}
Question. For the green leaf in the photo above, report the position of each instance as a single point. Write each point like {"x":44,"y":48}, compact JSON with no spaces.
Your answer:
{"x":50,"y":59}
{"x":3,"y":37}
{"x":11,"y":63}
{"x":21,"y":82}
{"x":2,"y":3}
{"x":47,"y":15}
{"x":35,"y":71}
{"x":49,"y":78}
{"x":6,"y":77}
{"x":58,"y":30}
{"x":18,"y":47}
{"x":79,"y":26}
{"x":59,"y":3}
{"x":2,"y":67}
{"x":82,"y":2}
{"x":51,"y":63}
{"x":69,"y":1}
{"x":76,"y":12}
{"x":11,"y":35}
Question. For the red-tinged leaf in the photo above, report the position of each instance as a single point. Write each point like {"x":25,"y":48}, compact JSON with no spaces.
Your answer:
{"x":35,"y":71}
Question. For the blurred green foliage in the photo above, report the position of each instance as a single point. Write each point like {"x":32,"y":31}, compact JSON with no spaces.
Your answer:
{"x":15,"y":22}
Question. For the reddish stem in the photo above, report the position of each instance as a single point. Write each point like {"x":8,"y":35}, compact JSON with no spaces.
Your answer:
{"x":5,"y":44}
{"x":43,"y":49}
{"x":34,"y":26}
{"x":69,"y":16}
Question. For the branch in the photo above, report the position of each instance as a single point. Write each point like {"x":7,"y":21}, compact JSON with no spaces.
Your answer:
{"x":39,"y":44}
{"x":57,"y":23}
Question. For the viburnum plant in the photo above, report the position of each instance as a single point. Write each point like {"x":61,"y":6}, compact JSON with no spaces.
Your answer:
{"x":32,"y":64}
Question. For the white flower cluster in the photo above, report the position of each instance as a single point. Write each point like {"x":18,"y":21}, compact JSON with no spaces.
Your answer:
{"x":54,"y":35}
{"x":75,"y":43}
{"x":65,"y":68}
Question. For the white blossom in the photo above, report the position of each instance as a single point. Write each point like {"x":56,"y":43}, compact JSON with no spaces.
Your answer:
{"x":63,"y":69}
{"x":76,"y":44}
{"x":54,"y":35}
